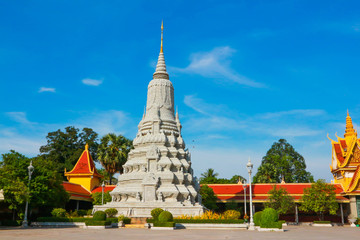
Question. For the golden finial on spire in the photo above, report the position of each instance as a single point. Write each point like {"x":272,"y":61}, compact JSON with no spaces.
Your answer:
{"x":349,"y":130}
{"x":86,"y":147}
{"x":162,"y":29}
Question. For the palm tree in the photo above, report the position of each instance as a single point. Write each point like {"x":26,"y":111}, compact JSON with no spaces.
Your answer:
{"x":112,"y":153}
{"x":210,"y":173}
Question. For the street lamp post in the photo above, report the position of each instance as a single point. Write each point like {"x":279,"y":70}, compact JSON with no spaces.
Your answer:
{"x":30,"y":171}
{"x":249,"y":167}
{"x":244,"y":186}
{"x":102,"y":193}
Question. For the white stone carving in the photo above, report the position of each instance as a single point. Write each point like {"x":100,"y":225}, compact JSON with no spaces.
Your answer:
{"x":158,"y":170}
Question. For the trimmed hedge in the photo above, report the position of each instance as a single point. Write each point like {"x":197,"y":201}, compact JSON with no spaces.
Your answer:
{"x":219,"y":221}
{"x":257,"y":218}
{"x":156,"y":212}
{"x":124,"y":219}
{"x":99,"y":215}
{"x":322,"y":222}
{"x":165,"y":216}
{"x":268,"y":216}
{"x":61,"y":219}
{"x":113,"y":220}
{"x":92,"y":222}
{"x":164,"y":224}
{"x":11,"y":223}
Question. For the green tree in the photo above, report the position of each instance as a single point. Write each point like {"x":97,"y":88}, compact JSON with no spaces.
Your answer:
{"x":112,"y":153}
{"x":106,"y":176}
{"x":208,"y":197}
{"x":282,"y":162}
{"x":65,"y":147}
{"x":319,"y":198}
{"x":210,"y":177}
{"x":97,"y":198}
{"x":280,"y":200}
{"x":46,"y":190}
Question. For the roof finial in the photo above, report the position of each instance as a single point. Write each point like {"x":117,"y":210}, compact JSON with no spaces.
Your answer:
{"x":349,"y":130}
{"x":86,"y":147}
{"x":162,"y":30}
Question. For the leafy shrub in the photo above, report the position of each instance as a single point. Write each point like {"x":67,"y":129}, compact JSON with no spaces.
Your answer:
{"x":156,"y":212}
{"x":164,"y":224}
{"x":275,"y":225}
{"x":58,"y":212}
{"x":89,"y":212}
{"x":232,"y":214}
{"x":269,"y":218}
{"x":81,"y":212}
{"x":99,"y":215}
{"x":93,"y":222}
{"x":113,"y":220}
{"x":257,"y":218}
{"x":165,"y":216}
{"x":11,"y":223}
{"x":322,"y":222}
{"x":73,"y":213}
{"x":357,"y":221}
{"x":127,"y":220}
{"x":124,"y":219}
{"x":111,"y":212}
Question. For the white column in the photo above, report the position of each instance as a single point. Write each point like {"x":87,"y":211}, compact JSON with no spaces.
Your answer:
{"x":342,"y":213}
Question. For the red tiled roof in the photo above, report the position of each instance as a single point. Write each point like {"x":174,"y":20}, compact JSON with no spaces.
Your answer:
{"x":260,"y":191}
{"x":107,"y":188}
{"x":85,"y":165}
{"x":76,"y":191}
{"x":343,"y":144}
{"x":75,"y":188}
{"x":338,"y":152}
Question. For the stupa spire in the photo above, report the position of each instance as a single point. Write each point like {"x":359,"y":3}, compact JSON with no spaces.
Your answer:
{"x":349,"y":130}
{"x":160,"y":72}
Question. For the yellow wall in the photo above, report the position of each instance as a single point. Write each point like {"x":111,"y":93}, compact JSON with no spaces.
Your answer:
{"x":88,"y":182}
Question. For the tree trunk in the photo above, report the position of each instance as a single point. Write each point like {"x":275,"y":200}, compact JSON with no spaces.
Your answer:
{"x":13,"y":217}
{"x":110,"y":176}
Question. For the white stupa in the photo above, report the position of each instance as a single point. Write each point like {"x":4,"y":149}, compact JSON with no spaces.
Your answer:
{"x":158,"y":170}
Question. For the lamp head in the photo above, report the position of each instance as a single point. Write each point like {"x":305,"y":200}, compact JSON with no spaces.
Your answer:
{"x":249,"y":166}
{"x":30,"y":168}
{"x":103,"y":184}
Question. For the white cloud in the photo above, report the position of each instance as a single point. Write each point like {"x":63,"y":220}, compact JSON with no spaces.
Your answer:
{"x":91,"y":82}
{"x":216,"y":64}
{"x":27,"y":139}
{"x":45,"y":89}
{"x":19,"y":117}
{"x":214,"y":118}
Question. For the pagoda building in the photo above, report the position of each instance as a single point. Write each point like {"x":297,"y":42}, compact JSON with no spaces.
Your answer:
{"x":345,"y":165}
{"x":158,"y":171}
{"x":84,"y":172}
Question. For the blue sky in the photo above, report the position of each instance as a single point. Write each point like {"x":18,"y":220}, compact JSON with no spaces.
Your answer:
{"x":246,"y":73}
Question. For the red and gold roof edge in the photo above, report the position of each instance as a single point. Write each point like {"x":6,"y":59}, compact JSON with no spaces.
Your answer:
{"x":76,"y":171}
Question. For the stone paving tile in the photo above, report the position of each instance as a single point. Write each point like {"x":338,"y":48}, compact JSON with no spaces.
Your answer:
{"x":292,"y":233}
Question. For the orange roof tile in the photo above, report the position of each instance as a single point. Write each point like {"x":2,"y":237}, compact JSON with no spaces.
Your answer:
{"x":260,"y":191}
{"x":77,"y":191}
{"x":107,"y":188}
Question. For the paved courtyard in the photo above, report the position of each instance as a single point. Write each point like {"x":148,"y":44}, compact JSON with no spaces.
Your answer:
{"x":301,"y":232}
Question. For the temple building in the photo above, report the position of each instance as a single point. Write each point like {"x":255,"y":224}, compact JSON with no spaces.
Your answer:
{"x":345,"y":165}
{"x":83,"y":180}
